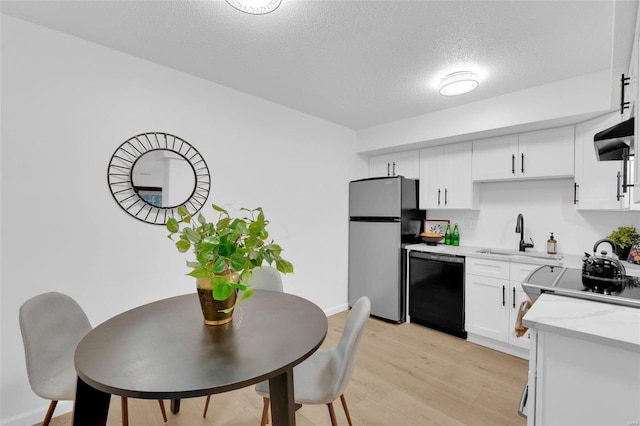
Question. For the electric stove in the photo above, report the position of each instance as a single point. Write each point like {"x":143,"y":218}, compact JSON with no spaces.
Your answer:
{"x":569,"y":282}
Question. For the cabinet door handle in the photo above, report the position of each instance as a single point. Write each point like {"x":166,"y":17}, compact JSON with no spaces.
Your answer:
{"x":503,"y":301}
{"x":522,"y":164}
{"x":624,"y":81}
{"x":514,"y":297}
{"x":388,"y":169}
{"x":445,"y":196}
{"x":575,"y":192}
{"x":513,"y":164}
{"x":618,"y":195}
{"x":625,"y":170}
{"x":394,"y":168}
{"x":438,"y":196}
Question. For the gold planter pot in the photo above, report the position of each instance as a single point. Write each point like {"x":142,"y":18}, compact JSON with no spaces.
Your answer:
{"x":211,"y":308}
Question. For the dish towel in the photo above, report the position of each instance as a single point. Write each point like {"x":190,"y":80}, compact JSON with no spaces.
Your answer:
{"x":524,"y":308}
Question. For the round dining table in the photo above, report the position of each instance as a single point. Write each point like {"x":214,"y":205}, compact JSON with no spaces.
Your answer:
{"x":163,"y":350}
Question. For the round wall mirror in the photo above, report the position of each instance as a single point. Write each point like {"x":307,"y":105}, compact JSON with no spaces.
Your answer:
{"x":163,"y":178}
{"x":152,"y":174}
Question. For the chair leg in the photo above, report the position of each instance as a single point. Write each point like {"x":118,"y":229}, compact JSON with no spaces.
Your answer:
{"x":164,"y":413}
{"x":206,"y":406}
{"x":332,"y":413}
{"x":265,"y":412}
{"x":125,"y":411}
{"x":346,"y":410}
{"x":47,"y":418}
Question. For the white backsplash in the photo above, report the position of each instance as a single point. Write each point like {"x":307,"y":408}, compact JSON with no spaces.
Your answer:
{"x":547,"y":206}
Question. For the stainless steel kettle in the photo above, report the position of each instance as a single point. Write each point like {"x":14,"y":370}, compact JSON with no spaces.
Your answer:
{"x":603,"y":274}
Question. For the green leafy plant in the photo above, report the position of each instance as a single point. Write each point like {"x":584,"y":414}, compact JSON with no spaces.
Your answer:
{"x":228,"y":250}
{"x":624,"y":236}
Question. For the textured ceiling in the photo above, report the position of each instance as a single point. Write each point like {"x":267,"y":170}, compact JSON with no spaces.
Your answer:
{"x":356,"y":63}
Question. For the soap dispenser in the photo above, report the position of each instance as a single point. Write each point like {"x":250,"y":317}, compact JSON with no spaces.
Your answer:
{"x":552,"y":245}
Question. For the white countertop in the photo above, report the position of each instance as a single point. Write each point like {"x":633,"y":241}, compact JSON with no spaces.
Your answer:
{"x":568,"y":260}
{"x":603,"y":323}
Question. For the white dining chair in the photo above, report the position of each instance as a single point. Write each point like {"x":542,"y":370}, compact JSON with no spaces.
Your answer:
{"x":267,"y":278}
{"x":324,"y":376}
{"x":52,"y":324}
{"x":264,"y":278}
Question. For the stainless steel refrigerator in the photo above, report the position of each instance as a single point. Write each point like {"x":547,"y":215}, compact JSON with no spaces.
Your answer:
{"x":383,"y":215}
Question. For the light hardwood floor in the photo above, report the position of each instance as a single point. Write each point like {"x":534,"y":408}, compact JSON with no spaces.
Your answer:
{"x":405,"y":375}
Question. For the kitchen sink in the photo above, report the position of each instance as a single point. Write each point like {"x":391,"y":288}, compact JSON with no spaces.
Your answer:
{"x":515,"y":253}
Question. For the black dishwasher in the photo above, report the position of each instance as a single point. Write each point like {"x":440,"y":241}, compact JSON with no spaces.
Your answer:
{"x":436,"y":291}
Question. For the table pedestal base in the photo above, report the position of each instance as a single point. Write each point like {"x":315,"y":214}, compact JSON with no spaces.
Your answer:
{"x":282,"y":400}
{"x":91,"y":406}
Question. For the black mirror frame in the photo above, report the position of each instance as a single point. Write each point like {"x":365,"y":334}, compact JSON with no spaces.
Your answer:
{"x":120,"y":176}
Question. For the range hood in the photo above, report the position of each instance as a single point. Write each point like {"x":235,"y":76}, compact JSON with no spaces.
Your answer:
{"x":616,"y":142}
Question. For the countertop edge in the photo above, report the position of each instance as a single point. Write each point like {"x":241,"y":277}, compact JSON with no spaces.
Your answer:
{"x":610,"y":325}
{"x":568,"y":260}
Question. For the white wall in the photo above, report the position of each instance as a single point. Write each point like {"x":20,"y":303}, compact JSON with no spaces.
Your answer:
{"x":67,"y":105}
{"x":547,"y":206}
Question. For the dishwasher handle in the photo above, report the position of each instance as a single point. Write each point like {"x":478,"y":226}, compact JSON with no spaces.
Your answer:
{"x":448,"y":258}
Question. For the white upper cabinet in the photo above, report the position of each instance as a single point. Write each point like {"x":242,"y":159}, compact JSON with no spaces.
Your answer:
{"x":546,"y":153}
{"x":405,"y":163}
{"x":495,"y":158}
{"x":541,"y":154}
{"x":598,"y":184}
{"x":445,"y":177}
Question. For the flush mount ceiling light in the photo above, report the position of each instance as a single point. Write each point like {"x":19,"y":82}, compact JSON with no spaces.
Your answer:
{"x":458,"y":83}
{"x":255,"y":7}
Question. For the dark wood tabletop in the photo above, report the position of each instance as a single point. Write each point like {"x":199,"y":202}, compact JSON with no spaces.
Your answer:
{"x":163,"y":350}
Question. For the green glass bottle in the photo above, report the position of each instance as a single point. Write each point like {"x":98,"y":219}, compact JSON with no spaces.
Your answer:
{"x":447,"y":236}
{"x":455,"y":238}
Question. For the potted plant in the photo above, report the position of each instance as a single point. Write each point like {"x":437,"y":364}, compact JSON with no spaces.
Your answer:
{"x":624,"y":236}
{"x":225,"y":252}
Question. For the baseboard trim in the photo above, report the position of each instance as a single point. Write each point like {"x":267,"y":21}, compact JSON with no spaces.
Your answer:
{"x":498,"y":346}
{"x":336,"y":310}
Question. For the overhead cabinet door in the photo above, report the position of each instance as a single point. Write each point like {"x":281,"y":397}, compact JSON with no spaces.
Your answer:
{"x":445,"y":177}
{"x":404,"y":163}
{"x":495,"y":158}
{"x":456,"y":167}
{"x":430,"y":188}
{"x":596,"y":181}
{"x":533,"y":155}
{"x":546,"y":153}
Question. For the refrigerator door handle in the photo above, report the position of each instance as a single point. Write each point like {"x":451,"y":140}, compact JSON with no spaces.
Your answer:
{"x":374,"y":219}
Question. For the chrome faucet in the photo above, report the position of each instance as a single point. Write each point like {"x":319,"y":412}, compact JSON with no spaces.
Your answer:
{"x":520,"y":228}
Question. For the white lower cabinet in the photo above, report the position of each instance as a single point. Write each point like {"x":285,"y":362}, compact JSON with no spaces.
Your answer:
{"x":485,"y":306}
{"x":493,"y":294}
